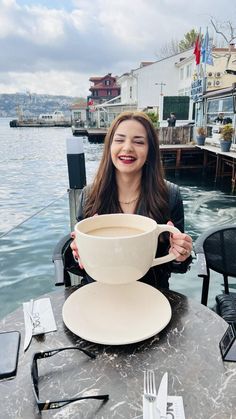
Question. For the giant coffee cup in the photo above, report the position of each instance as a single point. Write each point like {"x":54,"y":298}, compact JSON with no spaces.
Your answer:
{"x":120,"y":248}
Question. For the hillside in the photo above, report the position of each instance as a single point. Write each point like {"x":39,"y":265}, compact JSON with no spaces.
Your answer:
{"x":34,"y":104}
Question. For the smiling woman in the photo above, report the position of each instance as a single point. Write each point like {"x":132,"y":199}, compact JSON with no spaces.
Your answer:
{"x":130,"y":180}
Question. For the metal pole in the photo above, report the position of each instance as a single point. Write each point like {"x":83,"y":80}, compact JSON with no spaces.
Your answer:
{"x":161,"y":101}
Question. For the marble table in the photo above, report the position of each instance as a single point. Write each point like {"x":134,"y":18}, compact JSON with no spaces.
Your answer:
{"x":188,"y":348}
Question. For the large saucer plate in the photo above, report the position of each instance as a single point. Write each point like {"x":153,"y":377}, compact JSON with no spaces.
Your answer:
{"x":116,"y":314}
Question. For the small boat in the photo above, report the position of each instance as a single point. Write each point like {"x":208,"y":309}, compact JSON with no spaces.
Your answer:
{"x":55,"y":119}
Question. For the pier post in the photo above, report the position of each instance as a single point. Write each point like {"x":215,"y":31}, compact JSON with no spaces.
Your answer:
{"x":76,"y":172}
{"x":77,"y":180}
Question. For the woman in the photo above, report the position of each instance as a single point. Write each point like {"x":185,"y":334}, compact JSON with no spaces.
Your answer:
{"x":130,"y":180}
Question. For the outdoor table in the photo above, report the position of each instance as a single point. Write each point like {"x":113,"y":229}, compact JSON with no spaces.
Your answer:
{"x":188,"y":348}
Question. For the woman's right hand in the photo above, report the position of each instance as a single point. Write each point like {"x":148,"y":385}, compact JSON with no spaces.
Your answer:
{"x":74,"y":249}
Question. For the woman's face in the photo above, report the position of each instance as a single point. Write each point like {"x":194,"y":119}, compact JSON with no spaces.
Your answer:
{"x":129,"y":147}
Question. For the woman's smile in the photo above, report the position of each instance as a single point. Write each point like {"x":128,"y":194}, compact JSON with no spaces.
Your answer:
{"x":127,"y":159}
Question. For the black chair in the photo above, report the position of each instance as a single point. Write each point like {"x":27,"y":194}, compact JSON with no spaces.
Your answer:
{"x":62,"y":257}
{"x":216,"y":250}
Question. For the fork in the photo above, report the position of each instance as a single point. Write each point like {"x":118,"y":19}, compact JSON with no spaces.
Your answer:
{"x":150,"y":385}
{"x":36,"y":326}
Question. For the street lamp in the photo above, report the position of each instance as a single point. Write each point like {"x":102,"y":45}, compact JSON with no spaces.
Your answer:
{"x":160,"y":107}
{"x":161,"y":84}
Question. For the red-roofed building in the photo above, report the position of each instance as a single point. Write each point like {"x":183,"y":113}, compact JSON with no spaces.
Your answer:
{"x":103,"y":89}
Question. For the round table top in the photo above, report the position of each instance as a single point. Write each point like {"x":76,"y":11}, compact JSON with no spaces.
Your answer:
{"x":188,"y":348}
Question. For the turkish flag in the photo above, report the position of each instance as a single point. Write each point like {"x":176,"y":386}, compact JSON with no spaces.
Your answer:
{"x":197,"y":50}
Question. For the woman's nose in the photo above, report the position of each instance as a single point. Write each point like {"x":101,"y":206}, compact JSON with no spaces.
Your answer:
{"x":127,"y":145}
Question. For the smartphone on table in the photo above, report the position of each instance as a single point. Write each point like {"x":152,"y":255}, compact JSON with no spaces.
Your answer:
{"x":9,"y":352}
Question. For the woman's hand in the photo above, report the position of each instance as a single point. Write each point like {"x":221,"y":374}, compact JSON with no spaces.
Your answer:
{"x":74,"y":249}
{"x":180,"y":245}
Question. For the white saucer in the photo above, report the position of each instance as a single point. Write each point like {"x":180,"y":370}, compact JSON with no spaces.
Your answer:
{"x":116,"y":314}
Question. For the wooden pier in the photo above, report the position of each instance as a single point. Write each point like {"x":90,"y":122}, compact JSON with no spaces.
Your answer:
{"x":95,"y":135}
{"x":206,"y":158}
{"x":179,"y":152}
{"x":224,"y":163}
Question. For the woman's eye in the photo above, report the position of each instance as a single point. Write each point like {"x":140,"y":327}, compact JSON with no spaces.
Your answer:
{"x":118,"y":140}
{"x":139,"y":142}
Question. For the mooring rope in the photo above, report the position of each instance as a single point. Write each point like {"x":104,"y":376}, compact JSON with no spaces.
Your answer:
{"x":32,"y":216}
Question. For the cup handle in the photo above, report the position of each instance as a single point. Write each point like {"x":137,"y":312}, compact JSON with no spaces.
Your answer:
{"x":171,"y":256}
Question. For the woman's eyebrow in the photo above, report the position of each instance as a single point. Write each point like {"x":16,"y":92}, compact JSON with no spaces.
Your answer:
{"x":139,"y":136}
{"x":120,"y":135}
{"x":123,"y":135}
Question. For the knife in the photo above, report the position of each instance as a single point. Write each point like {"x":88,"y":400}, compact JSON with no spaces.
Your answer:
{"x":28,"y":323}
{"x":162,"y":395}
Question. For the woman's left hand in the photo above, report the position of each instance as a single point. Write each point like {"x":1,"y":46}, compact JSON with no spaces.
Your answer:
{"x":180,"y":245}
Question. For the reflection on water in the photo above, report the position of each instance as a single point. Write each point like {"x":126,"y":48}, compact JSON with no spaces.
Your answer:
{"x":33,"y":174}
{"x":209,"y":209}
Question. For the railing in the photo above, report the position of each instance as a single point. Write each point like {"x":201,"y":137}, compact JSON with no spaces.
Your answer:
{"x":175,"y":135}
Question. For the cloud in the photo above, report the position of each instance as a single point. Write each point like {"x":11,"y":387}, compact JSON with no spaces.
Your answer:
{"x":73,"y":40}
{"x":51,"y":82}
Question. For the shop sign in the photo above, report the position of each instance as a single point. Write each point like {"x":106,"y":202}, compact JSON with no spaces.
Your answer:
{"x":197,"y":90}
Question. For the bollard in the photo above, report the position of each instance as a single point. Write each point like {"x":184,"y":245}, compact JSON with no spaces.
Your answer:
{"x":77,"y":180}
{"x":76,"y":172}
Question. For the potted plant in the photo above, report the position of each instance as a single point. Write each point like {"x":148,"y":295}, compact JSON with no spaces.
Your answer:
{"x":226,"y":134}
{"x":201,"y":135}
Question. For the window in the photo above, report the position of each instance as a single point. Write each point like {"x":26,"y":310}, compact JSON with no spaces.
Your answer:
{"x":109,"y":92}
{"x":215,"y":106}
{"x":107,"y":82}
{"x":189,"y":70}
{"x":130,"y":92}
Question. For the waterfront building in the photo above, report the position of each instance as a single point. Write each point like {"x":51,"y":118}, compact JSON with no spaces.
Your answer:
{"x":173,"y":76}
{"x":104,"y":89}
{"x":162,"y":85}
{"x":79,"y":113}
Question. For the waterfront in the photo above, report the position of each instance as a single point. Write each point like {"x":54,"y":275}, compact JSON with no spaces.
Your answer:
{"x":34,"y":212}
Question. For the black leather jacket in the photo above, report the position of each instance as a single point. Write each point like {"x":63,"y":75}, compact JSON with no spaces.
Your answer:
{"x":157,"y":276}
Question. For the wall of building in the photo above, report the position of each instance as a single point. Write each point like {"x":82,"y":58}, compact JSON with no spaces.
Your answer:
{"x":163,"y":71}
{"x":128,"y":89}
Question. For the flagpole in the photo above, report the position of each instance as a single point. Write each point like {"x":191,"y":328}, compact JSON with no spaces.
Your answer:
{"x":204,"y":71}
{"x":199,"y":65}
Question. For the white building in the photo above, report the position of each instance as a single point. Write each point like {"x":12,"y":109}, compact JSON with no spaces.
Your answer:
{"x":145,"y":87}
{"x":170,"y":76}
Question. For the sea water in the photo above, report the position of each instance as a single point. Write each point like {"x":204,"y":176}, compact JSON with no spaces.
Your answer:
{"x":34,"y":211}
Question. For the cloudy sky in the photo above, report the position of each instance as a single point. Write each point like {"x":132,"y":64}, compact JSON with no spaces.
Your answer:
{"x":54,"y":46}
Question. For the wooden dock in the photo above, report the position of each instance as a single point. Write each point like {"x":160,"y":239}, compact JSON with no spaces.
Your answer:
{"x":206,"y":158}
{"x":223,"y":162}
{"x":95,"y":135}
{"x":179,"y":152}
{"x":166,"y":135}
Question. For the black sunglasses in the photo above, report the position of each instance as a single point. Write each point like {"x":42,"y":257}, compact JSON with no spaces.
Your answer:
{"x":48,"y":404}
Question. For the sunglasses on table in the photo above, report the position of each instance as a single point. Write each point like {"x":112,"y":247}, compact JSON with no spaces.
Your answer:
{"x":56,"y":404}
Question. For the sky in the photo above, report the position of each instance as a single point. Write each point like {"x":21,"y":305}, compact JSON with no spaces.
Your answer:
{"x":55,"y":46}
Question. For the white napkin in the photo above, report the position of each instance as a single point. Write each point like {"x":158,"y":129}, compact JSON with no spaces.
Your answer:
{"x":175,"y":407}
{"x":42,"y":315}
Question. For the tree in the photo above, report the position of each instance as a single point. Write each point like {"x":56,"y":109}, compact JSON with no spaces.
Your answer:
{"x":153,"y":116}
{"x":188,"y":41}
{"x":168,"y":49}
{"x":228,"y":32}
{"x":174,"y":46}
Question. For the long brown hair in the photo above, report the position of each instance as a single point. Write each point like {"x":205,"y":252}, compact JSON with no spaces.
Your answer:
{"x":103,"y":196}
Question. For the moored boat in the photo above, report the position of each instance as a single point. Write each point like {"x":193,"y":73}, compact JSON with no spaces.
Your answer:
{"x":55,"y":119}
